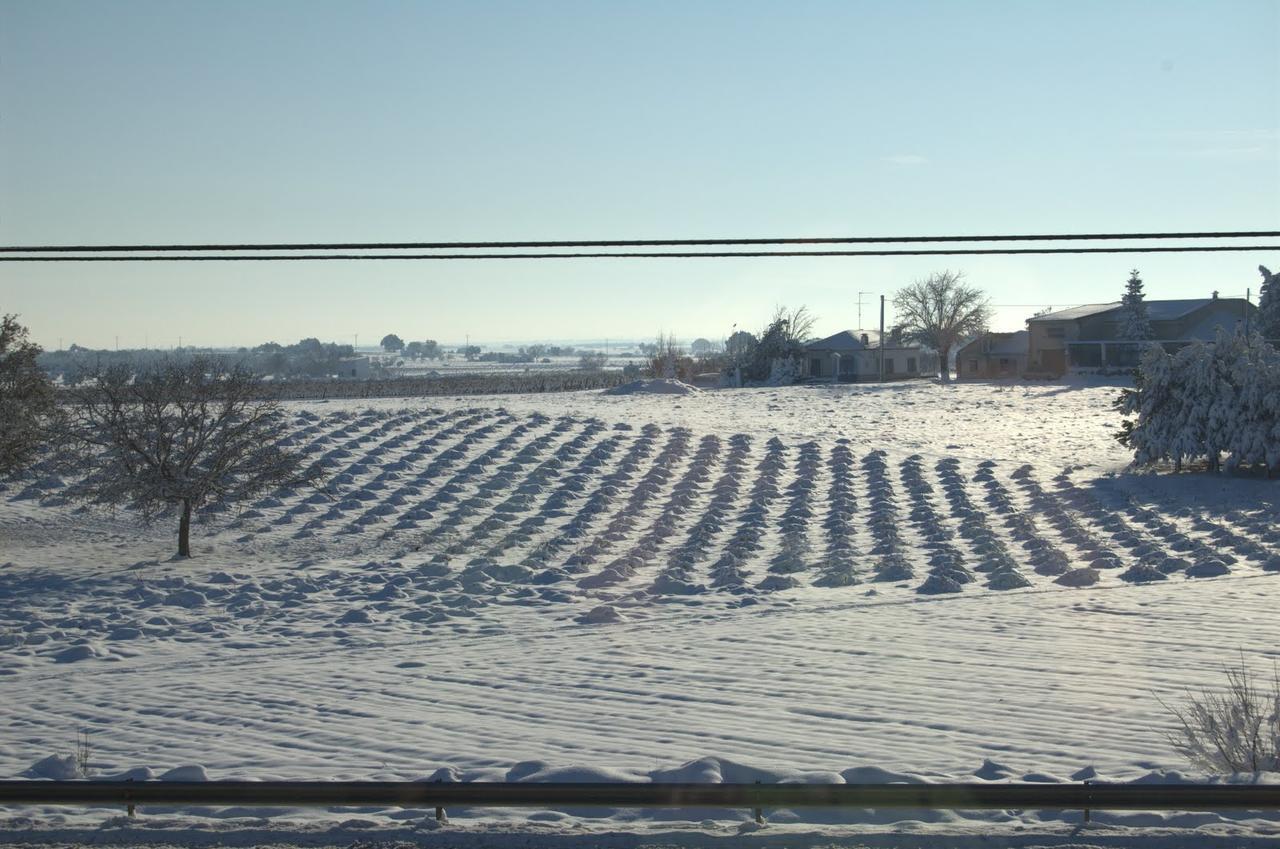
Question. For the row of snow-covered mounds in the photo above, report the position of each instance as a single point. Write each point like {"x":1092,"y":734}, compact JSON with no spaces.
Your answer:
{"x":434,"y":517}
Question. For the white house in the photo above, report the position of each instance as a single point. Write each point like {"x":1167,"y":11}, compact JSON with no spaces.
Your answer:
{"x":354,"y":367}
{"x":854,"y":355}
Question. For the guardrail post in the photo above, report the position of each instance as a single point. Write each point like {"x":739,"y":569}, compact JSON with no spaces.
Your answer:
{"x":130,"y":806}
{"x":759,"y":812}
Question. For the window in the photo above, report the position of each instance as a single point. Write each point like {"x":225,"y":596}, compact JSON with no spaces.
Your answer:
{"x":911,"y":365}
{"x":888,"y":365}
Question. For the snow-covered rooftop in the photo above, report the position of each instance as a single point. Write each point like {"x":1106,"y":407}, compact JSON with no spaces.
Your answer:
{"x":847,"y":340}
{"x":1076,"y":312}
{"x":1165,"y":310}
{"x":1169,"y":310}
{"x":1007,"y":343}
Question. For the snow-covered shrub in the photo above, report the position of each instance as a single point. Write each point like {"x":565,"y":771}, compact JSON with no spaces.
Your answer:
{"x":1206,"y":401}
{"x":783,"y":371}
{"x":1237,"y":730}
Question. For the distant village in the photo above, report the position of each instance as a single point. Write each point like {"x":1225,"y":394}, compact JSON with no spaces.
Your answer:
{"x":1090,"y":338}
{"x":1085,"y":338}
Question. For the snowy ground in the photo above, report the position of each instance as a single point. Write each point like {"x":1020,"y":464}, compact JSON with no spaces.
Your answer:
{"x":818,"y":584}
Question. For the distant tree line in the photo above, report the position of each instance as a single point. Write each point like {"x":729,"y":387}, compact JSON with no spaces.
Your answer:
{"x":305,"y":358}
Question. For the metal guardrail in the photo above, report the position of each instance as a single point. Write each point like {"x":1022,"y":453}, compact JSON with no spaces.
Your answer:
{"x":757,"y":797}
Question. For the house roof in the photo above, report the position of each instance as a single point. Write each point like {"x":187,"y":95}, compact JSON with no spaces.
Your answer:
{"x":1076,"y":312}
{"x":1007,"y":343}
{"x":846,"y":340}
{"x":1167,"y":310}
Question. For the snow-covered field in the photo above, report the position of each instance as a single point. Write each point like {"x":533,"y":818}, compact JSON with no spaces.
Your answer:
{"x":811,"y":583}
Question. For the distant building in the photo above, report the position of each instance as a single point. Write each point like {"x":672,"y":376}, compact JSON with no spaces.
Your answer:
{"x":854,"y":355}
{"x":993,"y":355}
{"x":354,"y":368}
{"x":1087,"y":337}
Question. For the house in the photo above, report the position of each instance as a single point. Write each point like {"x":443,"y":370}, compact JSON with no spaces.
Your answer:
{"x":354,"y":367}
{"x":993,"y":355}
{"x":1087,"y":337}
{"x":854,"y":355}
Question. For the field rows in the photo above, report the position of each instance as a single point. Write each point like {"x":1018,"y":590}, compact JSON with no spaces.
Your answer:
{"x":435,"y":517}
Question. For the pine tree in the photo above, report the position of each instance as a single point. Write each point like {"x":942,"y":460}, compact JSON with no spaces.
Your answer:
{"x":1134,"y":324}
{"x":1269,"y":305}
{"x":1206,"y":402}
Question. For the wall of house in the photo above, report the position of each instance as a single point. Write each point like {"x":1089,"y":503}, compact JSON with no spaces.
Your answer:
{"x":1050,"y":336}
{"x":1203,"y":324}
{"x":865,"y":365}
{"x":977,"y":365}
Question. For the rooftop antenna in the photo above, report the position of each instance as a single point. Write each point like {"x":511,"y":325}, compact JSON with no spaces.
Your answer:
{"x":860,"y":294}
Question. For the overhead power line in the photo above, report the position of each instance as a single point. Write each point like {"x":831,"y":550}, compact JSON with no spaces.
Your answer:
{"x":634,"y":243}
{"x":628,"y":254}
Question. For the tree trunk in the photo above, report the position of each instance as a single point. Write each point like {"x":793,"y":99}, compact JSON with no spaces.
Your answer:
{"x":943,"y":356}
{"x":184,"y":529}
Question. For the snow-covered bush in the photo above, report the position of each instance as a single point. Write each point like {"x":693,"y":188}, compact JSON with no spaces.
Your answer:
{"x":1237,"y":730}
{"x":1204,"y":402}
{"x":783,"y":371}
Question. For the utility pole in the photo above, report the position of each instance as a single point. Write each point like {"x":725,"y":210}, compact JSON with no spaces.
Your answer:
{"x":1248,"y":294}
{"x":882,"y":338}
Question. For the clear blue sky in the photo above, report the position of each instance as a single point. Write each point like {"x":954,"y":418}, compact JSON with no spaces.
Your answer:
{"x":310,"y":121}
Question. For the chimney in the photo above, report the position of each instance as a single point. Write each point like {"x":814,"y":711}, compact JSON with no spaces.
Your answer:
{"x":866,"y":343}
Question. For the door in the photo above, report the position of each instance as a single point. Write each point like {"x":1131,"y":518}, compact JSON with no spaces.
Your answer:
{"x":1054,"y":361}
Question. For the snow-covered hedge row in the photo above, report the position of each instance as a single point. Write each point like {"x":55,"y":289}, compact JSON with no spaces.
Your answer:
{"x":1206,"y":402}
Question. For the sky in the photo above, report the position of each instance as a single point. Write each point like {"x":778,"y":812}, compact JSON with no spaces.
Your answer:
{"x":169,"y":122}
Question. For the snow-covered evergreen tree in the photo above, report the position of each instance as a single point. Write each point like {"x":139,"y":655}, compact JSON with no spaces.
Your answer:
{"x":1269,"y":305}
{"x":1206,"y":402}
{"x":1134,"y":324}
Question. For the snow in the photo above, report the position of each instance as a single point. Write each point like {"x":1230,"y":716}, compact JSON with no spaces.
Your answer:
{"x":719,"y":586}
{"x":657,"y":386}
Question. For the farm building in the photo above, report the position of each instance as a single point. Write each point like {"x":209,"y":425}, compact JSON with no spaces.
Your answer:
{"x":1087,"y":337}
{"x":854,"y":355}
{"x":993,"y":355}
{"x":354,"y":367}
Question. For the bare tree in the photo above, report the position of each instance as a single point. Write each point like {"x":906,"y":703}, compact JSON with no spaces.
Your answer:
{"x":181,"y":436}
{"x":26,"y":398}
{"x":940,"y":311}
{"x":796,"y":324}
{"x":667,"y":356}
